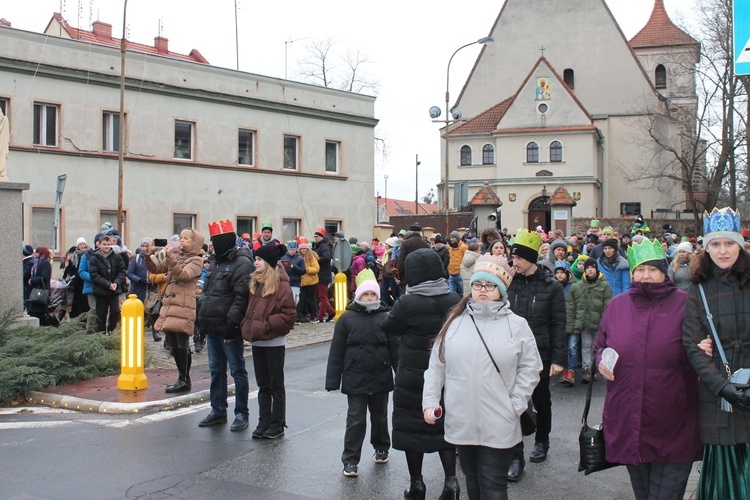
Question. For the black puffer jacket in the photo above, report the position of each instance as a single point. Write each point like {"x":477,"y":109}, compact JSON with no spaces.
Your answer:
{"x":325,"y":257}
{"x":412,"y":241}
{"x":225,"y":292}
{"x":362,"y":357}
{"x":106,"y":270}
{"x":416,"y":320}
{"x":540,"y":299}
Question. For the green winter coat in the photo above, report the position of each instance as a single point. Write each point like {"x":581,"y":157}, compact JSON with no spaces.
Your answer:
{"x":585,"y":303}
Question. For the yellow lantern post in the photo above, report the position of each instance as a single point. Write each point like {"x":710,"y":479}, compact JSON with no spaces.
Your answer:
{"x":340,"y":294}
{"x":132,"y":348}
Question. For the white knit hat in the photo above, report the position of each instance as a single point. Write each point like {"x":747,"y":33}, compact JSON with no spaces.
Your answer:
{"x":81,"y":240}
{"x":686,"y":246}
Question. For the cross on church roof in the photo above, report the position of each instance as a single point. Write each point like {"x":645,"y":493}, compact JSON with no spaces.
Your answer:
{"x":542,"y":49}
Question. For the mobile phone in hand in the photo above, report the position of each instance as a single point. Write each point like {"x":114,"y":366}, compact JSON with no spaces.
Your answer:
{"x":159,"y":242}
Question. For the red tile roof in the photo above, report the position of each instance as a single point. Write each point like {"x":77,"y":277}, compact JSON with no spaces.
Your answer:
{"x":536,"y":130}
{"x":660,"y":31}
{"x":486,"y":196}
{"x":404,"y":207}
{"x":102,"y":38}
{"x":486,"y":121}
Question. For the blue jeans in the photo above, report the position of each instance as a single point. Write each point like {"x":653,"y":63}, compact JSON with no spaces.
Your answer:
{"x":572,"y":351}
{"x":219,"y":354}
{"x":456,"y":284}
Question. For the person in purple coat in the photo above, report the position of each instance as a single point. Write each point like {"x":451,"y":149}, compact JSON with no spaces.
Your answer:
{"x":650,"y":416}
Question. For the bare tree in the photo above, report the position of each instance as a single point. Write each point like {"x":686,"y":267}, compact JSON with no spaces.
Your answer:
{"x":698,"y":143}
{"x":324,"y":66}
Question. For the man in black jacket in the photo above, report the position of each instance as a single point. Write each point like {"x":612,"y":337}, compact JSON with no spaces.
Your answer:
{"x":412,"y":241}
{"x":538,"y":297}
{"x":322,"y":247}
{"x":224,"y":300}
{"x":107,"y":271}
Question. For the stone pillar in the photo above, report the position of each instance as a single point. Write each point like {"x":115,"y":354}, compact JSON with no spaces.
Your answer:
{"x":11,"y":242}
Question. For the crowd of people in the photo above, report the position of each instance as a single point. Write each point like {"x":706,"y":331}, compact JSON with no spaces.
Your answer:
{"x":466,"y":332}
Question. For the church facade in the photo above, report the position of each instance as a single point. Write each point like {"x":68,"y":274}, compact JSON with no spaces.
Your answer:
{"x":575,"y":106}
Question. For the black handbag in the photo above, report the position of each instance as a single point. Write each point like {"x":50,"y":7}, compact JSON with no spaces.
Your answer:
{"x":528,"y":418}
{"x":591,"y":442}
{"x":39,"y":296}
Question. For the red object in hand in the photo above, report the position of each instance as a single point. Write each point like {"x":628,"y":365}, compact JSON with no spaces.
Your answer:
{"x":437,"y":413}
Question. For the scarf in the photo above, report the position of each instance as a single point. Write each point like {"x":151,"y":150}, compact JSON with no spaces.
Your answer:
{"x":369,"y":306}
{"x":429,"y":288}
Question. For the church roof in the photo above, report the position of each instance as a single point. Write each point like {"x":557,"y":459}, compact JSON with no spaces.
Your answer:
{"x":103,"y":36}
{"x":660,"y":31}
{"x":487,"y":121}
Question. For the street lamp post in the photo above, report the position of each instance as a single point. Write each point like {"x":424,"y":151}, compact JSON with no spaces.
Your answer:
{"x":435,"y":113}
{"x":121,"y":152}
{"x":386,"y":192}
{"x":416,"y":186}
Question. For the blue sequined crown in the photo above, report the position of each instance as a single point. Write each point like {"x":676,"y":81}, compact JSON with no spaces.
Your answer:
{"x":724,"y":220}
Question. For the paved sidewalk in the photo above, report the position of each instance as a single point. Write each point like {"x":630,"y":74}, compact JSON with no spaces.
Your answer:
{"x":101,"y":395}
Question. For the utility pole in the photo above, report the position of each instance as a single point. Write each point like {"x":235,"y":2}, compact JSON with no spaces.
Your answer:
{"x":416,"y":187}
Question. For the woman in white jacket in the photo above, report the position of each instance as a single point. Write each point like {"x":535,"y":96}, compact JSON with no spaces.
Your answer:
{"x":486,"y":361}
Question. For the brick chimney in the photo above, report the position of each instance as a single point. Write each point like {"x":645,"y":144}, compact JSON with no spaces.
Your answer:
{"x":102,"y":29}
{"x":161,"y":44}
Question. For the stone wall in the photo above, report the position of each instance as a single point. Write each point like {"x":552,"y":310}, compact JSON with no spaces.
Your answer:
{"x":684,"y":226}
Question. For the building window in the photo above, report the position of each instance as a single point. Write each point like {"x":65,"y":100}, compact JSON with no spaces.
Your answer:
{"x":111,"y":217}
{"x":569,"y":77}
{"x":660,"y":77}
{"x":290,"y":229}
{"x":4,"y":105}
{"x":182,"y":221}
{"x":245,"y":147}
{"x":245,"y":225}
{"x":532,"y":152}
{"x":332,"y":157}
{"x":291,"y":146}
{"x":110,"y":131}
{"x":465,"y":155}
{"x":332,"y":226}
{"x":555,"y":151}
{"x":183,"y":140}
{"x":43,"y":228}
{"x":45,"y":124}
{"x":488,"y":154}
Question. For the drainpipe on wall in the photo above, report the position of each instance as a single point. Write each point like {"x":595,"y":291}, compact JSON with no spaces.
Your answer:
{"x":603,"y":196}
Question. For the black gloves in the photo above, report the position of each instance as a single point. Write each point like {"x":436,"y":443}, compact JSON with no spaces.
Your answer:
{"x":737,"y":395}
{"x":232,"y":333}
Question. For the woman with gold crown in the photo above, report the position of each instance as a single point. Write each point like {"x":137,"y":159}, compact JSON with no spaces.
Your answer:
{"x":650,"y":420}
{"x":722,"y":275}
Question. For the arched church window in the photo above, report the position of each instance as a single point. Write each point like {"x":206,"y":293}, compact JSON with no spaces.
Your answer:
{"x":555,"y":151}
{"x":465,"y":155}
{"x":660,"y":77}
{"x":569,"y":77}
{"x":488,"y":154}
{"x":532,"y":152}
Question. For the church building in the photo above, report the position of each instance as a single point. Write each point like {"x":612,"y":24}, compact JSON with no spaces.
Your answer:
{"x":562,"y":99}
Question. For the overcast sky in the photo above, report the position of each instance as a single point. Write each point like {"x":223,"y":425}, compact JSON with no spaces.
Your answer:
{"x":408,"y":42}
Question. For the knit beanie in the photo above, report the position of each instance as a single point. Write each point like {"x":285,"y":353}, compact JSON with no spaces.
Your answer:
{"x":591,"y":263}
{"x":27,"y":250}
{"x":271,"y":253}
{"x":557,"y":244}
{"x":366,"y":282}
{"x":493,"y":269}
{"x":146,"y":240}
{"x":610,"y":242}
{"x":686,"y":246}
{"x":81,"y":240}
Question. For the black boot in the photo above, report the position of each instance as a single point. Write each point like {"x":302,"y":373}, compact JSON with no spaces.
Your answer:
{"x":515,"y":471}
{"x":417,"y":489}
{"x":157,"y":337}
{"x":451,"y":491}
{"x":183,"y":361}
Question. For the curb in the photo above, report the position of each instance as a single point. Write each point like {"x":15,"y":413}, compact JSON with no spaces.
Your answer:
{"x":81,"y":404}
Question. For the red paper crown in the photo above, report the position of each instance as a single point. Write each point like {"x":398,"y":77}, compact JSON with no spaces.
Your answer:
{"x":221,"y":227}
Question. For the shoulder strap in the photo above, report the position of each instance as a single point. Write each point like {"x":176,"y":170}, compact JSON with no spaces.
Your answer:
{"x":717,"y":342}
{"x":481,"y":337}
{"x":584,"y":419}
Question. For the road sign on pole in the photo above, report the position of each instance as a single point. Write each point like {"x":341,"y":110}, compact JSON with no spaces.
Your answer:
{"x":741,"y":23}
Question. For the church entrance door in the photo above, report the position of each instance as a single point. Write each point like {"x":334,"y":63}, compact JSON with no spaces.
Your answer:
{"x":539,"y":214}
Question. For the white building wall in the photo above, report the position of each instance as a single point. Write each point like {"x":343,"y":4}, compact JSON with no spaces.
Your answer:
{"x":212,"y":185}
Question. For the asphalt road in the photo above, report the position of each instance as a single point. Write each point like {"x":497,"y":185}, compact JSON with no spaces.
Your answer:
{"x":47,"y":453}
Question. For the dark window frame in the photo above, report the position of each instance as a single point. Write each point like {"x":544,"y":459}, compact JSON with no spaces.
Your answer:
{"x":555,"y":152}
{"x":466,"y":154}
{"x":488,"y":154}
{"x":532,"y":152}
{"x":660,"y":77}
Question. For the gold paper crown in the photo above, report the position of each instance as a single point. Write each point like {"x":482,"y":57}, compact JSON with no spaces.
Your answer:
{"x":645,"y":251}
{"x":528,"y":239}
